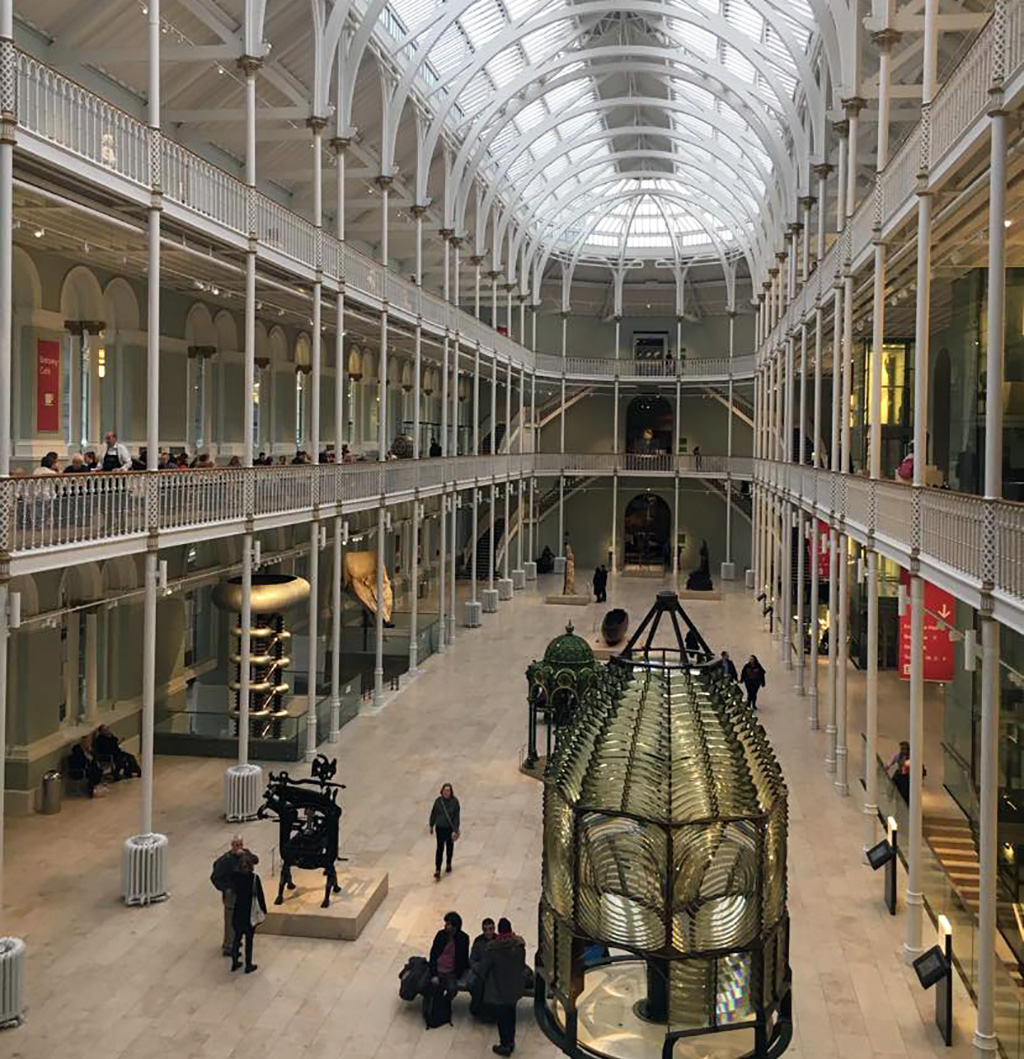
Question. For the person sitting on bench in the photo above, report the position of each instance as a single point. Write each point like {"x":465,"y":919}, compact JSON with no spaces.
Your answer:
{"x":108,"y":747}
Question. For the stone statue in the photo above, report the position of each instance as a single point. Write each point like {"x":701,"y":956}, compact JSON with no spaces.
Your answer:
{"x":569,"y":584}
{"x":308,"y":816}
{"x":700,"y":579}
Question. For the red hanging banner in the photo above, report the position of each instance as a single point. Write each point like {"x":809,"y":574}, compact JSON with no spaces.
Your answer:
{"x":823,"y":550}
{"x":47,"y":386}
{"x":939,"y":611}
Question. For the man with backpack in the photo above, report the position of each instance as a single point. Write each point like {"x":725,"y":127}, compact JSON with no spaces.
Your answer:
{"x":502,"y":970}
{"x":222,"y":877}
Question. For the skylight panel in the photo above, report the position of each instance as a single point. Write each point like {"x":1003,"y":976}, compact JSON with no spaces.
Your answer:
{"x":505,"y":66}
{"x":450,"y":52}
{"x":482,"y":21}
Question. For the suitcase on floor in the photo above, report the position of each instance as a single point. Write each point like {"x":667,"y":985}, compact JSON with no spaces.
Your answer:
{"x":437,"y":1009}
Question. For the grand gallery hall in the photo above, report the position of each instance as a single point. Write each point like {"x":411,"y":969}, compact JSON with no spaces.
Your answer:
{"x":512,"y":529}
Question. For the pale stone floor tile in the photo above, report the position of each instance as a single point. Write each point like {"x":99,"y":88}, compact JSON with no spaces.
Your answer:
{"x":154,"y":982}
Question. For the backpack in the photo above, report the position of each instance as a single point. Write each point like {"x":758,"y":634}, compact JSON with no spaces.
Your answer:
{"x":437,"y":1009}
{"x":413,"y":977}
{"x":220,"y":878}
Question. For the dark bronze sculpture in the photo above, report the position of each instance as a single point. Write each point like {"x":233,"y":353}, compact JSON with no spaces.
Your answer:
{"x":308,"y":816}
{"x":614,"y":626}
{"x":700,"y":579}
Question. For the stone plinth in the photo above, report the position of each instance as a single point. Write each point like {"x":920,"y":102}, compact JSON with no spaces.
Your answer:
{"x":471,"y":614}
{"x":530,"y":570}
{"x":490,"y":600}
{"x":519,"y":580}
{"x":728,"y":571}
{"x":505,"y":588}
{"x":568,"y":601}
{"x":300,"y":916}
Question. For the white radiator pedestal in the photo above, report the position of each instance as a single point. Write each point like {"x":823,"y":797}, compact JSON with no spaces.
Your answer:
{"x":559,"y":567}
{"x":243,"y":792}
{"x":12,"y":981}
{"x":471,"y":614}
{"x":530,"y":570}
{"x":750,"y":579}
{"x":728,"y":571}
{"x":518,"y":580}
{"x":490,"y":600}
{"x":505,"y":588}
{"x":144,"y":869}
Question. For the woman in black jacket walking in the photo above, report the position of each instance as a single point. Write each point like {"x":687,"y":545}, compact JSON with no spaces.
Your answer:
{"x":752,"y":678}
{"x":444,"y":823}
{"x":248,"y":898}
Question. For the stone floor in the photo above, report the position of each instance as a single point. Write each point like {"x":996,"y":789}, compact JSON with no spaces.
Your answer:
{"x":150,"y":983}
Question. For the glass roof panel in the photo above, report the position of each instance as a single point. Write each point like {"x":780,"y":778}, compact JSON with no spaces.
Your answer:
{"x":716,"y":86}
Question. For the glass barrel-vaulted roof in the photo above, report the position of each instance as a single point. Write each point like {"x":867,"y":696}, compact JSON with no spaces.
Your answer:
{"x":644,"y":128}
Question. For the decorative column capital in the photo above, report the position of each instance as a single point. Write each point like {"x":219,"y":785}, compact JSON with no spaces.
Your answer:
{"x":316,"y":124}
{"x":806,"y":202}
{"x":841,"y":128}
{"x":822,"y":170}
{"x":884,"y":39}
{"x":384,"y":181}
{"x":340,"y":144}
{"x":476,"y":260}
{"x":854,"y":105}
{"x":249,"y":64}
{"x":417,"y":211}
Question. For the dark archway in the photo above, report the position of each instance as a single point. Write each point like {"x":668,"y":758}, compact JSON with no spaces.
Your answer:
{"x":647,"y":531}
{"x":649,"y":425}
{"x":941,"y":376}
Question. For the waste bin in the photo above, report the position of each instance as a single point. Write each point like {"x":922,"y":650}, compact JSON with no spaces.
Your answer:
{"x":50,"y":802}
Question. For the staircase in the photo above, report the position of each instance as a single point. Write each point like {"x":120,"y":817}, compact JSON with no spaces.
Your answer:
{"x":954,"y":846}
{"x":483,"y":549}
{"x":743,"y":503}
{"x":485,"y":442}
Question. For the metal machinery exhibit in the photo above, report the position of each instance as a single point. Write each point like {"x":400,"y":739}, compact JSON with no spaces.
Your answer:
{"x":555,"y":687}
{"x":663,"y":922}
{"x":272,"y":595}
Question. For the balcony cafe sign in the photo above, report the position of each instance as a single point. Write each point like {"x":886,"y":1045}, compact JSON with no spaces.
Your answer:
{"x":939,"y":618}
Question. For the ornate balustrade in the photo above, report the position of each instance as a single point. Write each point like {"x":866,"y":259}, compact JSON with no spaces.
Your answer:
{"x":968,"y":542}
{"x":53,"y":516}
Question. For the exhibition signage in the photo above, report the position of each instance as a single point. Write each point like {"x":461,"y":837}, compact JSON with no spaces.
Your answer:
{"x":939,"y":617}
{"x":47,"y":386}
{"x":823,"y":550}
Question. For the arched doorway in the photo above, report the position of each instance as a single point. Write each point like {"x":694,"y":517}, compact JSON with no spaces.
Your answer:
{"x":647,"y":532}
{"x":649,"y":426}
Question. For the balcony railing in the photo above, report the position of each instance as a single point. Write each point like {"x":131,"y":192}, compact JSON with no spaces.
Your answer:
{"x":958,"y":105}
{"x":949,"y":530}
{"x":55,"y":512}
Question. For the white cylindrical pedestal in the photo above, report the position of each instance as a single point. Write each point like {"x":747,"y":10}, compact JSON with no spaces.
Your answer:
{"x":530,"y":570}
{"x":750,"y":579}
{"x":243,"y":792}
{"x":559,"y":567}
{"x":12,"y":981}
{"x":728,"y":571}
{"x":471,"y":614}
{"x":518,"y":580}
{"x":490,"y":600}
{"x":144,"y":869}
{"x":505,"y":588}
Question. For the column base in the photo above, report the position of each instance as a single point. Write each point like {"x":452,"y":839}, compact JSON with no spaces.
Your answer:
{"x":243,"y":792}
{"x":799,"y":686}
{"x":985,"y":1042}
{"x":530,"y":570}
{"x":559,"y":567}
{"x":749,"y":579}
{"x":505,"y":588}
{"x":490,"y":597}
{"x":144,"y":869}
{"x":518,"y":580}
{"x":12,"y":982}
{"x":728,"y":572}
{"x":471,"y":615}
{"x":450,"y":628}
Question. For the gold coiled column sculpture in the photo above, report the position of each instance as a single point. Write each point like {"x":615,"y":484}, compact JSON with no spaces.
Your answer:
{"x":270,"y":641}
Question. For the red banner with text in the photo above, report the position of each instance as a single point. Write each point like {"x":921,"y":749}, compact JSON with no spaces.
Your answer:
{"x":939,"y":617}
{"x":47,"y":386}
{"x":823,"y":550}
